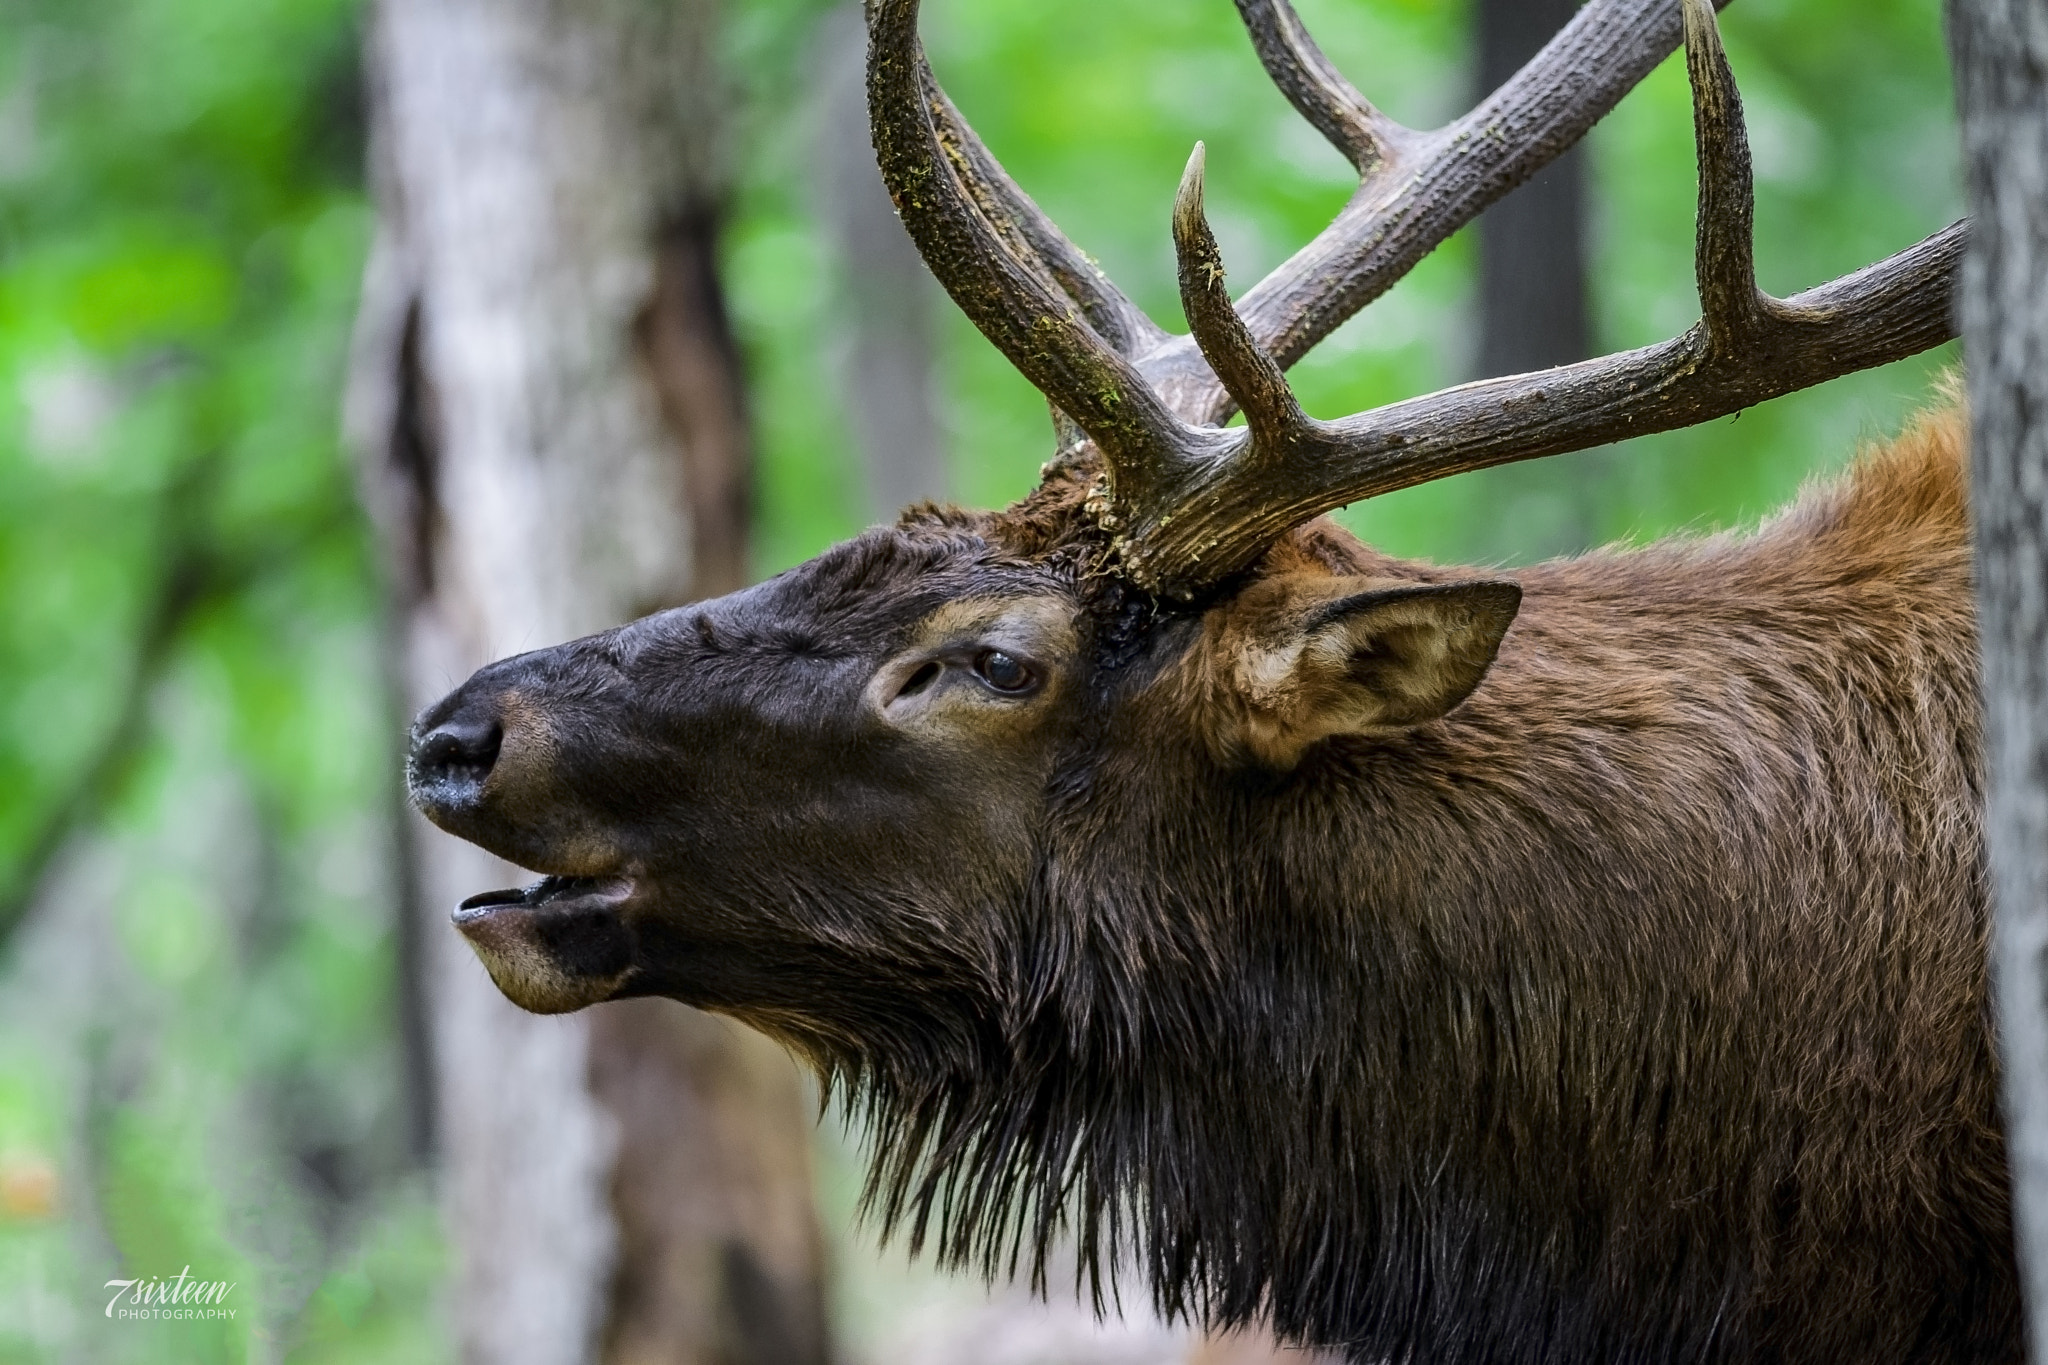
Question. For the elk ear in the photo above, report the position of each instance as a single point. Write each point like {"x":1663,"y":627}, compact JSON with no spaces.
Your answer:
{"x":1347,"y":656}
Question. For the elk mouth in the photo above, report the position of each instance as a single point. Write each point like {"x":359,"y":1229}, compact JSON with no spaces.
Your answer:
{"x":557,"y":945}
{"x":549,"y":890}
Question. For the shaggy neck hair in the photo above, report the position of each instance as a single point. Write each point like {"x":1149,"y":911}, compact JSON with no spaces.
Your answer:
{"x":1636,"y":1010}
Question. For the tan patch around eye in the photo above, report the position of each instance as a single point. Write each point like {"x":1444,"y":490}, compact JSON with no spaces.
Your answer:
{"x":1037,"y":630}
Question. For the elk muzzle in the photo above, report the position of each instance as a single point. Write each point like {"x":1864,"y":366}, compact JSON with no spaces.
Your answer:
{"x":484,"y":764}
{"x":487,"y":764}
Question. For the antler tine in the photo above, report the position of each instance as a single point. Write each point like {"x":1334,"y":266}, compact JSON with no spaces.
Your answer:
{"x":1425,"y":186}
{"x":1316,"y":89}
{"x":1007,"y":296}
{"x":1725,"y":256}
{"x":1272,"y":416}
{"x":1747,"y":348}
{"x":1014,"y":213}
{"x":1190,"y":505}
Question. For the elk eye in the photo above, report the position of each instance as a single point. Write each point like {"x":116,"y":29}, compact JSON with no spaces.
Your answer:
{"x":1002,"y":672}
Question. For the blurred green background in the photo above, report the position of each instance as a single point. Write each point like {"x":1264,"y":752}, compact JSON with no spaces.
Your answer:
{"x":200,"y":1059}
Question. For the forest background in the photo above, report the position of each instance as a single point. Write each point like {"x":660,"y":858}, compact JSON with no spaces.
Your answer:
{"x":204,"y":1059}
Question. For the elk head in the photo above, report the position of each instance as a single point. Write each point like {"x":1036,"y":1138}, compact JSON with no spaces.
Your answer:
{"x":939,"y":807}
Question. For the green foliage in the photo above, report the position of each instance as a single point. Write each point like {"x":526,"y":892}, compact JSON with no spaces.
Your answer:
{"x":198,"y":1064}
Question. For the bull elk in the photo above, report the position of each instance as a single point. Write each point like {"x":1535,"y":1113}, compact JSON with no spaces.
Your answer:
{"x":1444,"y":966}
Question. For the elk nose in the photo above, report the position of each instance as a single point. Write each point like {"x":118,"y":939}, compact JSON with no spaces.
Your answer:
{"x":454,"y":757}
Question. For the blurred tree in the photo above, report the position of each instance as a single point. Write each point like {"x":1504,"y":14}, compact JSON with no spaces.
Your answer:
{"x":1533,"y":310}
{"x":2001,"y":56}
{"x":548,"y":403}
{"x":887,"y":297}
{"x":198,"y":1064}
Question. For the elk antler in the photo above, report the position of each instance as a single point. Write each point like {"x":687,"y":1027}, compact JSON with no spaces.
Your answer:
{"x":1190,"y":503}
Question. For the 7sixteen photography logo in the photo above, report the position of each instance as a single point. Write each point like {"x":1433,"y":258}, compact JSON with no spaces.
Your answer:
{"x":180,"y":1298}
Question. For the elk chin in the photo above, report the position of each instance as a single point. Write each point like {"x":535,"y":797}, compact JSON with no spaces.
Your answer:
{"x":555,"y":946}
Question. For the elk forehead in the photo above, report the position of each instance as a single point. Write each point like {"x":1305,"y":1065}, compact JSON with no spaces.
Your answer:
{"x":1039,"y":620}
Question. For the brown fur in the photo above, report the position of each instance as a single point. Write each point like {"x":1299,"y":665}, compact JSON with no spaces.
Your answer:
{"x":1684,"y":906}
{"x":1795,"y":710}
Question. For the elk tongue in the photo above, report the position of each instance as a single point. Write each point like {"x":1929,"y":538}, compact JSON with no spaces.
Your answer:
{"x":543,"y":892}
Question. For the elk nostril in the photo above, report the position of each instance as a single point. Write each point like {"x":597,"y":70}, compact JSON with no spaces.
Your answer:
{"x":460,"y":749}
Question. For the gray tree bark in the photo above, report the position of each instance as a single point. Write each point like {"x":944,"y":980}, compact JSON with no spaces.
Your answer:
{"x":2000,"y":49}
{"x":1532,"y":244}
{"x":1533,"y":307}
{"x":547,"y":401}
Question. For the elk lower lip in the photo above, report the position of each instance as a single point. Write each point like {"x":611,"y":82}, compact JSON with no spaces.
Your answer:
{"x":557,"y":945}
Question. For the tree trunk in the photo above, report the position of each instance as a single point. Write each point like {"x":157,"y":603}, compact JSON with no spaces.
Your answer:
{"x":886,"y":296}
{"x":2001,"y":59}
{"x":547,"y":400}
{"x":1533,"y":308}
{"x":1532,"y":244}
